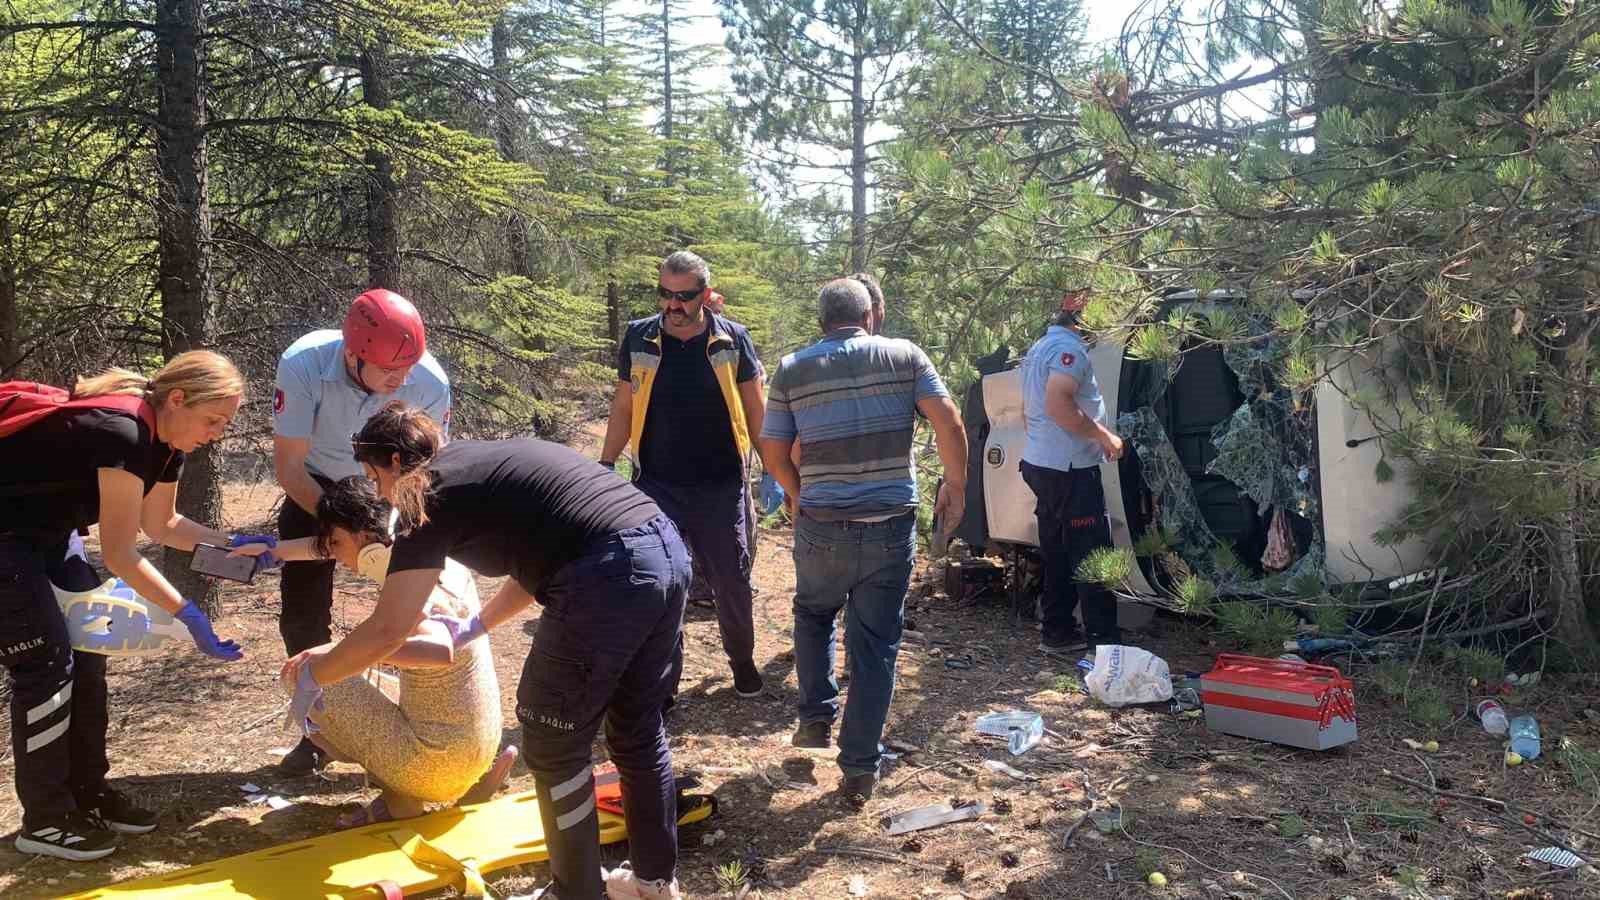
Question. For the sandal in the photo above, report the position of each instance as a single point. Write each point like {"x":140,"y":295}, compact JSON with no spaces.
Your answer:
{"x":371,"y":814}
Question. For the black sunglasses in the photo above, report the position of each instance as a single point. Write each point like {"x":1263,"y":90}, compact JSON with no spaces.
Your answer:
{"x":680,"y":296}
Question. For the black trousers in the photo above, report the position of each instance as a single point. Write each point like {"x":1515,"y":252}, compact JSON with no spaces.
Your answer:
{"x":58,"y":695}
{"x":608,"y":650}
{"x":306,"y":587}
{"x":1071,"y":508}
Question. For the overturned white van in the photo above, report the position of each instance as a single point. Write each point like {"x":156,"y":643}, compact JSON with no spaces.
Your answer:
{"x":1175,"y":473}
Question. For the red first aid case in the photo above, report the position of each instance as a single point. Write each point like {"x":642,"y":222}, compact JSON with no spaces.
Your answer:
{"x":1278,"y":700}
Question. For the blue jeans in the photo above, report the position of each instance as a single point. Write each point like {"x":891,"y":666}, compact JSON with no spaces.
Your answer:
{"x":863,"y":568}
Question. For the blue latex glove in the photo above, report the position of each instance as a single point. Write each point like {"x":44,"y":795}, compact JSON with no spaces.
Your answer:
{"x":462,"y":631}
{"x":204,"y":637}
{"x":267,"y":560}
{"x":307,"y":697}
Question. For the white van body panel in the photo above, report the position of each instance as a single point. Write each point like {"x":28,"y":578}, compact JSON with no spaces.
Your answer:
{"x":1354,"y":503}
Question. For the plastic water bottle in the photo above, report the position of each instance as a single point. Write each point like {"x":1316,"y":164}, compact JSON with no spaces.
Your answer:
{"x":1493,"y":717}
{"x":1525,"y":737}
{"x":1022,"y":730}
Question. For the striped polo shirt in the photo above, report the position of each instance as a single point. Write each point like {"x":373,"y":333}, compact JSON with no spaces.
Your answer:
{"x":850,"y":400}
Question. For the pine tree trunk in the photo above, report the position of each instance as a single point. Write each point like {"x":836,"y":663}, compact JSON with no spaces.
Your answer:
{"x":858,"y":154}
{"x":383,"y":236}
{"x":183,"y":235}
{"x":614,"y":315}
{"x":666,"y":89}
{"x":10,"y":340}
{"x":507,"y":122}
{"x":1571,"y":625}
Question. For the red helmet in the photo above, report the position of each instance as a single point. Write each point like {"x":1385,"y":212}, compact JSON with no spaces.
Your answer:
{"x":384,"y":330}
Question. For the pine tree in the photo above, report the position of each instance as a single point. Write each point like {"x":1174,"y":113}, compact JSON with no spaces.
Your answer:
{"x":977,"y":221}
{"x":821,"y":74}
{"x":1420,"y":192}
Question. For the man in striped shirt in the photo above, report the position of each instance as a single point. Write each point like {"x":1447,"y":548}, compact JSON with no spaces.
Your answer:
{"x":850,"y":401}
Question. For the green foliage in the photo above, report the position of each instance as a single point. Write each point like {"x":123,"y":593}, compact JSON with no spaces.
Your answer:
{"x":1110,"y":566}
{"x":731,"y":876}
{"x":1195,"y":595}
{"x":1307,"y":585}
{"x":1477,"y":662}
{"x":1227,"y":561}
{"x":1255,"y":627}
{"x":1581,"y":764}
{"x":1291,"y":826}
{"x":1427,"y":707}
{"x":1331,"y":618}
{"x":1152,"y":542}
{"x":1383,"y":472}
{"x":1069,"y":684}
{"x":1386,"y":813}
{"x":1145,"y":861}
{"x":1389,"y":678}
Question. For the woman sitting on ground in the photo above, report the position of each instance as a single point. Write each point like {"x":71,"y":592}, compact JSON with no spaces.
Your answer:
{"x":438,"y":743}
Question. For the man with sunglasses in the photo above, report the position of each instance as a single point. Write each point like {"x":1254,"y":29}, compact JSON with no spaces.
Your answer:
{"x":329,"y":383}
{"x":689,"y":400}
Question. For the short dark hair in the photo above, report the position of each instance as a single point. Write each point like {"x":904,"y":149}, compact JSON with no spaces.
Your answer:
{"x":351,"y":503}
{"x":683,"y":262}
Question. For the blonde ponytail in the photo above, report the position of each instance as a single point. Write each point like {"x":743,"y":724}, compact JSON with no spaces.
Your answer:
{"x":112,"y":381}
{"x":203,"y":376}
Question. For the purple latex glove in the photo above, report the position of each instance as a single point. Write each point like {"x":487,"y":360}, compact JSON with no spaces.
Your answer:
{"x":265,"y":561}
{"x":307,"y":697}
{"x":462,"y":631}
{"x":204,"y":636}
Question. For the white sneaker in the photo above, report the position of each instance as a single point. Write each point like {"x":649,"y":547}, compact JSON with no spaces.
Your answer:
{"x":622,"y":884}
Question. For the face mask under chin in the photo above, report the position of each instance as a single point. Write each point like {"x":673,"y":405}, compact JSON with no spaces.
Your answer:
{"x":373,"y":561}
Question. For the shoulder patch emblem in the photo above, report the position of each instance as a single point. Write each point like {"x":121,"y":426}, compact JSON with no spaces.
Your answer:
{"x":1068,"y":359}
{"x":277,"y":401}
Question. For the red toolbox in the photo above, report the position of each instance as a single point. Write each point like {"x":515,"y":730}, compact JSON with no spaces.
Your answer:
{"x":1293,"y":703}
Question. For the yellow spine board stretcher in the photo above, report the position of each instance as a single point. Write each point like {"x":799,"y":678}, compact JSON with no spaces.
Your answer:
{"x":452,"y":847}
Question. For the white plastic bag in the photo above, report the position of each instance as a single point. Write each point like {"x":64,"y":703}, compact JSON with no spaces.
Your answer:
{"x":1124,"y":675}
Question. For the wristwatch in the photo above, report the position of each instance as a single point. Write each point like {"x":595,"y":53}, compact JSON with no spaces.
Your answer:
{"x":609,"y":463}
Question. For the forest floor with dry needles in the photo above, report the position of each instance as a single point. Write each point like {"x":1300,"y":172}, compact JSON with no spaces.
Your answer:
{"x":1218,"y":816}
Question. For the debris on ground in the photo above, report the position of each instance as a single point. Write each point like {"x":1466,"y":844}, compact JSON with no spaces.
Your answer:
{"x":1022,"y":730}
{"x":1555,"y":856}
{"x":995,"y":765}
{"x":933,"y":816}
{"x":1128,"y":675}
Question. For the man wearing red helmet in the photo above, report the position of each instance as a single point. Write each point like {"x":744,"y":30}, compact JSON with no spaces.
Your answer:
{"x":329,"y":384}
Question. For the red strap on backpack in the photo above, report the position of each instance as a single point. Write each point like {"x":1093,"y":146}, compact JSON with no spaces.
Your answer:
{"x":25,"y":403}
